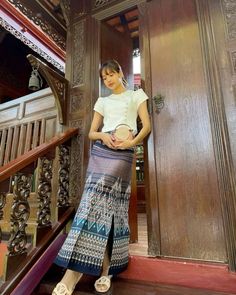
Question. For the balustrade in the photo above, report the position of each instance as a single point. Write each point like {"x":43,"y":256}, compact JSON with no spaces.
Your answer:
{"x":34,"y":169}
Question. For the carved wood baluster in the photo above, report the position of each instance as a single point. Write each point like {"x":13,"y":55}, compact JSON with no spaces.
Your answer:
{"x":44,"y":192}
{"x":63,"y":192}
{"x":2,"y":204}
{"x":20,"y":214}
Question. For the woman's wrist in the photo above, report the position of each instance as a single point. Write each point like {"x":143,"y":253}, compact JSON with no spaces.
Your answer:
{"x":96,"y":135}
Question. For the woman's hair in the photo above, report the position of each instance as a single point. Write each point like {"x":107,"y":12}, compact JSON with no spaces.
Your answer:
{"x":112,"y":66}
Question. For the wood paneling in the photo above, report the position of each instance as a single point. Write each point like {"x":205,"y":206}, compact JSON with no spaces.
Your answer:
{"x":118,"y":46}
{"x":25,"y":123}
{"x":190,"y":220}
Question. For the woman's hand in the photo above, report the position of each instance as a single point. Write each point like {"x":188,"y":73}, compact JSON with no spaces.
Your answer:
{"x":108,"y":140}
{"x":126,"y":144}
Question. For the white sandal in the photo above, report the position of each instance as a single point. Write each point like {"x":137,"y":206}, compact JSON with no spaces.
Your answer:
{"x":61,"y":289}
{"x":104,"y":281}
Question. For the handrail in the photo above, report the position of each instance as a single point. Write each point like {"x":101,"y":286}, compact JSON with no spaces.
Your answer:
{"x":24,"y":160}
{"x":17,"y":177}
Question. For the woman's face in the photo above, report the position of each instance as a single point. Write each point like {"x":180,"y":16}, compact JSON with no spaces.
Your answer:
{"x":112,"y":80}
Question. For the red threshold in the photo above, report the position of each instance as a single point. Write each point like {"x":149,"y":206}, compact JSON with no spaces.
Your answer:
{"x":213,"y":277}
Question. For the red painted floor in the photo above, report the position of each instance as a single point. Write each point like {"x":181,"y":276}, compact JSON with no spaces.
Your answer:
{"x":194,"y":275}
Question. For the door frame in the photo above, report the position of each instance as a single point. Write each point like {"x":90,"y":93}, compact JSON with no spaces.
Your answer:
{"x":150,"y":169}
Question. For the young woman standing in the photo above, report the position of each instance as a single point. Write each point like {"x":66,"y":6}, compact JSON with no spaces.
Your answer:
{"x":97,"y":243}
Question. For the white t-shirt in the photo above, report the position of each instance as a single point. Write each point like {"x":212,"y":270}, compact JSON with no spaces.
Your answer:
{"x":120,"y":109}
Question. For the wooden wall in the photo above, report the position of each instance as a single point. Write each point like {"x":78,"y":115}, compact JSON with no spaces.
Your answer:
{"x":188,"y":54}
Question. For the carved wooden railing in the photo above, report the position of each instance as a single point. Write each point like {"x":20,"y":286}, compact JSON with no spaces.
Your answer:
{"x":17,"y":178}
{"x":27,"y":122}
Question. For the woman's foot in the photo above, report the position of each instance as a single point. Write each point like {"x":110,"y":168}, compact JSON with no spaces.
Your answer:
{"x":68,"y":283}
{"x":61,"y":289}
{"x":103,"y":284}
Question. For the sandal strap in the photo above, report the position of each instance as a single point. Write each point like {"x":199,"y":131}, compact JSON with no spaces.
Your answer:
{"x":61,"y":289}
{"x":104,"y":280}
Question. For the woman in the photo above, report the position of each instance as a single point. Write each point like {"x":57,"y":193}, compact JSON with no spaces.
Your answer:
{"x":97,"y":243}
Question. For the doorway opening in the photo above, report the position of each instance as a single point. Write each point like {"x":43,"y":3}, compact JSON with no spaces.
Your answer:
{"x":120,"y":41}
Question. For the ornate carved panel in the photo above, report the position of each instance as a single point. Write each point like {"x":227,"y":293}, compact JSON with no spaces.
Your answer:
{"x":65,"y":7}
{"x":38,"y":19}
{"x":233,"y":54}
{"x":100,"y":3}
{"x":76,"y":170}
{"x":229,"y":9}
{"x":63,"y":192}
{"x":20,"y":214}
{"x":78,"y":54}
{"x":2,"y":205}
{"x":30,"y":44}
{"x":76,"y":101}
{"x":44,"y":192}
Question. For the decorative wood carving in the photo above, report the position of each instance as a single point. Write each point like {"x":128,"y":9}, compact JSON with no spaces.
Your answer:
{"x":229,"y":10}
{"x":76,"y":101}
{"x":233,"y":54}
{"x":63,"y":192}
{"x":57,"y":83}
{"x":30,"y":44}
{"x":221,"y":141}
{"x":76,"y":171}
{"x":100,"y":3}
{"x":20,"y":214}
{"x":65,"y":7}
{"x":78,"y":68}
{"x":44,"y":192}
{"x":41,"y":22}
{"x":2,"y":205}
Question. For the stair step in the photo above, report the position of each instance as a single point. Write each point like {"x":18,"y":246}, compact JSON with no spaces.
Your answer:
{"x":126,"y":287}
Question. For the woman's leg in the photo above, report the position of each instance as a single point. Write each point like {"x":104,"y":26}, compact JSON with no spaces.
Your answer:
{"x":103,"y":284}
{"x":106,"y":264}
{"x":71,"y":278}
{"x":68,"y":283}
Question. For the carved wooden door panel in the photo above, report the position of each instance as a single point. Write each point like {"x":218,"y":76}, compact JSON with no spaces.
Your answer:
{"x":185,"y":217}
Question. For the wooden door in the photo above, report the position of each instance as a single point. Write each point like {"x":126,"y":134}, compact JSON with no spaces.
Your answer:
{"x":118,"y":46}
{"x":185,"y":218}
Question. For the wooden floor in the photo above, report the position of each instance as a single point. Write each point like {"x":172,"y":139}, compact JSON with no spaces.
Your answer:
{"x":127,"y":287}
{"x":140,"y":248}
{"x":124,"y":286}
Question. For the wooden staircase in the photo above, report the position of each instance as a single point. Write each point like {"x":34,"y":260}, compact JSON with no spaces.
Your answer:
{"x":120,"y":286}
{"x":25,"y":254}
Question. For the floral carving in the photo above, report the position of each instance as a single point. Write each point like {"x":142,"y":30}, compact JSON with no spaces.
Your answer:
{"x":76,"y":102}
{"x":30,"y":44}
{"x":76,"y":171}
{"x":100,"y":3}
{"x":41,"y":22}
{"x":2,"y":205}
{"x":234,"y":61}
{"x":78,"y":53}
{"x":20,"y":214}
{"x":229,"y":9}
{"x":63,"y":192}
{"x":44,"y":192}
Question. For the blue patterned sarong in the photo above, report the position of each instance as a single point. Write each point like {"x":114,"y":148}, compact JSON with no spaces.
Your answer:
{"x":104,"y":203}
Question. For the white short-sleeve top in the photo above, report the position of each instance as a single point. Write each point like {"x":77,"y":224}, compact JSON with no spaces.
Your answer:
{"x":120,"y":109}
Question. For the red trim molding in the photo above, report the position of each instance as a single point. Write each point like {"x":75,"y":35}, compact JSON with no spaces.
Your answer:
{"x":28,"y":26}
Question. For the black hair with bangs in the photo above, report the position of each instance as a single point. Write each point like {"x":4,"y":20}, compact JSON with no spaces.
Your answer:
{"x":113,"y":66}
{"x":110,"y":66}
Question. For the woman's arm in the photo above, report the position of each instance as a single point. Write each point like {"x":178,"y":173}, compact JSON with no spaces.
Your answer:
{"x":95,"y":135}
{"x":146,"y":128}
{"x":146,"y":124}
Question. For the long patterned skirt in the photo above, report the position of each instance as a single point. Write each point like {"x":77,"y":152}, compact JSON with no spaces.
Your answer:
{"x":102,"y":214}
